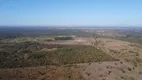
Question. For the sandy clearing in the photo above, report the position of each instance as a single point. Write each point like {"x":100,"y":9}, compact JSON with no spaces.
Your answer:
{"x":119,"y":49}
{"x":76,"y":41}
{"x":114,"y":70}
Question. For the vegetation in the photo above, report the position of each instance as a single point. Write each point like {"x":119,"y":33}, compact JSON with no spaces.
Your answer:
{"x":54,"y":73}
{"x":63,"y":38}
{"x":32,"y":54}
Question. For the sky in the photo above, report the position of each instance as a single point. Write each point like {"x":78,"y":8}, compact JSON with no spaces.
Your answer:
{"x":71,"y":12}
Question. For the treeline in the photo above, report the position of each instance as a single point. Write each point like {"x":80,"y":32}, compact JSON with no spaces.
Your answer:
{"x":15,"y":32}
{"x":63,"y":38}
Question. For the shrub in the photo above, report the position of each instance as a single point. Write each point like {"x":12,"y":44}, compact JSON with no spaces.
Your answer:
{"x":37,"y":55}
{"x":129,"y":69}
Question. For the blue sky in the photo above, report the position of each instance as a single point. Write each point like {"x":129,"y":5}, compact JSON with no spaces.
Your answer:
{"x":71,"y":12}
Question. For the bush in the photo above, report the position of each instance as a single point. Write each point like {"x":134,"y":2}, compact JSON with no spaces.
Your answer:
{"x":37,"y":55}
